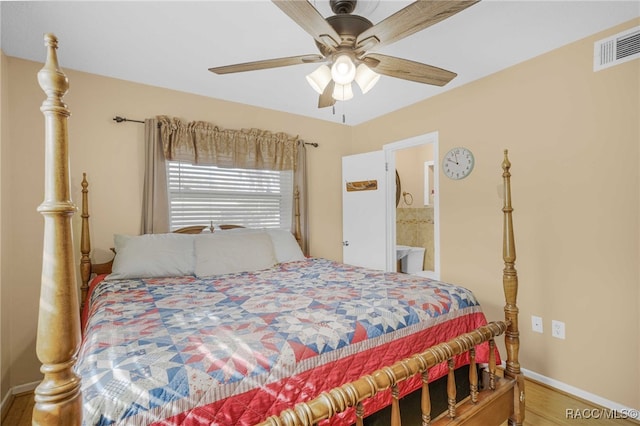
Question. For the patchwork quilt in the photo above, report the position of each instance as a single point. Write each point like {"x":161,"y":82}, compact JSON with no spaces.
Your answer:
{"x":235,"y":349}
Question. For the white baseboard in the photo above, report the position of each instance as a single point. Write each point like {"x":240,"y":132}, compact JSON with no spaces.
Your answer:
{"x":8,"y":398}
{"x":587,"y":396}
{"x":6,"y":403}
{"x":27,"y":387}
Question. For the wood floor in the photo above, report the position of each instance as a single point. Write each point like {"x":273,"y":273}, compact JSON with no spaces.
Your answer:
{"x":545,"y":407}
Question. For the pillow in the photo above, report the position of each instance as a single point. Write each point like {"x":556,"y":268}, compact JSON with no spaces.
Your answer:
{"x":224,"y":253}
{"x":153,"y":256}
{"x":285,"y":245}
{"x":239,"y":230}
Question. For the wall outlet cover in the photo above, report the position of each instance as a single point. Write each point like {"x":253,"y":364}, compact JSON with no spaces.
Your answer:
{"x":536,"y":324}
{"x":557,"y":329}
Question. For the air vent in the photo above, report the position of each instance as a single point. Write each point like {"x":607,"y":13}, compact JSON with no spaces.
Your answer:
{"x":616,"y":49}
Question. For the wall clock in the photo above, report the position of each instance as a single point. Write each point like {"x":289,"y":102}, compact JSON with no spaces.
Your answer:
{"x":458,"y":163}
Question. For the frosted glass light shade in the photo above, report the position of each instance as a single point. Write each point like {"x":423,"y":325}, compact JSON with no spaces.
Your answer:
{"x":343,"y":70}
{"x":319,"y":78}
{"x":342,"y":92}
{"x":366,"y":78}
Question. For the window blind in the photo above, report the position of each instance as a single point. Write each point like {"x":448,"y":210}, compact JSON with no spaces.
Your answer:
{"x":205,"y":194}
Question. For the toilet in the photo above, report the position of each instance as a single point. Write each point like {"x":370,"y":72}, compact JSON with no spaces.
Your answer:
{"x":413,"y":262}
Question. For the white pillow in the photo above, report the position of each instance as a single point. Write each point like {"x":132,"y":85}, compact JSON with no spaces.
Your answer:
{"x":285,"y":245}
{"x":153,"y":255}
{"x":224,"y":253}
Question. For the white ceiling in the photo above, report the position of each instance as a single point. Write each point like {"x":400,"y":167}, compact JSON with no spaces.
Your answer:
{"x":172,"y":45}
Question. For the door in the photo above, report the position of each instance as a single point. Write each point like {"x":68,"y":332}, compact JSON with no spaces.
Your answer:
{"x":364,"y":211}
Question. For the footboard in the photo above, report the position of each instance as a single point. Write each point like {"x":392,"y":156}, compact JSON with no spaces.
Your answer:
{"x":501,"y":399}
{"x":354,"y":393}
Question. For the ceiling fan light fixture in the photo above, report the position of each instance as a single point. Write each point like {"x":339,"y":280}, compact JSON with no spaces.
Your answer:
{"x":343,"y":70}
{"x":342,"y":92}
{"x":319,"y":79}
{"x":366,"y":78}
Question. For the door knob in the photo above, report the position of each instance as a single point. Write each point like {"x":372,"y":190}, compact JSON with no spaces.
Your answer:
{"x":345,"y":243}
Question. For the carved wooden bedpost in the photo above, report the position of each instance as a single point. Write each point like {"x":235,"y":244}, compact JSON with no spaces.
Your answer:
{"x":85,"y":244}
{"x":298,"y":230}
{"x":510,"y":285}
{"x":58,"y":397}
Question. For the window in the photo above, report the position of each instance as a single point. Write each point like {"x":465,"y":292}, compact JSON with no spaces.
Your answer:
{"x":204,"y":194}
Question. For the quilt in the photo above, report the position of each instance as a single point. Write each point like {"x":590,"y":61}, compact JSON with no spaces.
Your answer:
{"x":237,"y":348}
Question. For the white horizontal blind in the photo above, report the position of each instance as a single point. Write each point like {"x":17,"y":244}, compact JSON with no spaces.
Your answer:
{"x":204,"y":194}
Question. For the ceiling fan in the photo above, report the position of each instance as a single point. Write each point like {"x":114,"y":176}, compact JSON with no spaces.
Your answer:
{"x":345,"y":39}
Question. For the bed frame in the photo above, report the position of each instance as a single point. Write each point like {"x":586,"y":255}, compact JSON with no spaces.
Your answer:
{"x":58,"y":399}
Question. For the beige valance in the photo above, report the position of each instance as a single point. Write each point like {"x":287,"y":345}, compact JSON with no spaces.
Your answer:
{"x":199,"y":142}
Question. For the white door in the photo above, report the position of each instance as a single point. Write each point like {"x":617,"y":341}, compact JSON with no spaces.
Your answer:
{"x":364,"y":210}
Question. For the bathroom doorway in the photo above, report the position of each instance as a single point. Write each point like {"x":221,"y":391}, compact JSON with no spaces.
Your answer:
{"x":413,"y":234}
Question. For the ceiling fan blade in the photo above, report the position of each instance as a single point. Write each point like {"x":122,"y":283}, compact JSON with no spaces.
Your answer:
{"x":309,"y":19}
{"x":268,"y":63}
{"x":410,"y":70}
{"x":411,"y":19}
{"x":326,"y":99}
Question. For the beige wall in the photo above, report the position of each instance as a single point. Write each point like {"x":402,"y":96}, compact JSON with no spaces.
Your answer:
{"x":410,"y":167}
{"x":574,"y":139}
{"x":4,"y":311}
{"x":112,"y":155}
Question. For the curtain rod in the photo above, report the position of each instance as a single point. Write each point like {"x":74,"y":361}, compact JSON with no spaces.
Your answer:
{"x":119,"y":119}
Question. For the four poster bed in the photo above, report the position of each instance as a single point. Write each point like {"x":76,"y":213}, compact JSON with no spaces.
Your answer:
{"x":177,"y":330}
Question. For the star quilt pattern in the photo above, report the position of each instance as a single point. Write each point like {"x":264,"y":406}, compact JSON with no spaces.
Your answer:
{"x":234,"y":349}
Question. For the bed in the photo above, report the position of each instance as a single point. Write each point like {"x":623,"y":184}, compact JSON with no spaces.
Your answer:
{"x":289,"y":340}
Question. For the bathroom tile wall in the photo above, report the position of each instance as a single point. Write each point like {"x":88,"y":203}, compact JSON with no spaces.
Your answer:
{"x":414,"y":227}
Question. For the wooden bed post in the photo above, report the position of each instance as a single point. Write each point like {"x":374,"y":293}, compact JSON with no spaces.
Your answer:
{"x":297,"y":233}
{"x":85,"y":244}
{"x":510,"y":285}
{"x":58,"y":400}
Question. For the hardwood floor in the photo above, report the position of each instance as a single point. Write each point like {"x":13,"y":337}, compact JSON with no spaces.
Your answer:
{"x":545,"y":407}
{"x":20,"y":410}
{"x":549,"y":406}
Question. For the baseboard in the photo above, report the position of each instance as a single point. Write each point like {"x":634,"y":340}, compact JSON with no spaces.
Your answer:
{"x":6,"y":403}
{"x":587,"y":396}
{"x":17,"y":390}
{"x":27,"y":387}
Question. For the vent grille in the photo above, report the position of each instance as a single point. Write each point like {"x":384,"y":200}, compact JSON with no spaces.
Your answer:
{"x":616,"y":49}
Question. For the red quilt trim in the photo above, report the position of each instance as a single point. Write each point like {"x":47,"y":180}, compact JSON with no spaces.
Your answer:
{"x":85,"y":310}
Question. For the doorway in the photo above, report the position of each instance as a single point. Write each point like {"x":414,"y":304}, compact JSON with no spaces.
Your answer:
{"x":417,"y":212}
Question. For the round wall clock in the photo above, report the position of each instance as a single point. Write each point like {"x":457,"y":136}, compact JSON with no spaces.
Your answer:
{"x":458,"y":163}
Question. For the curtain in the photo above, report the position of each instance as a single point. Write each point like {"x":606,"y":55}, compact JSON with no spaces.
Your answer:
{"x":199,"y":142}
{"x":300,"y":190}
{"x":155,"y":201}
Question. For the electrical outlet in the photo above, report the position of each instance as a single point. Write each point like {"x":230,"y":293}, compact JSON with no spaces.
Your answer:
{"x":557,"y":329}
{"x":536,"y":324}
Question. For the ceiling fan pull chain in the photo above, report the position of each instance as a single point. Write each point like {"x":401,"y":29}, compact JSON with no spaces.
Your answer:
{"x":344,"y":115}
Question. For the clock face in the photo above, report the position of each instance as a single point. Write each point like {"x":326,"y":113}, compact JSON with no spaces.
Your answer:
{"x":458,"y":163}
